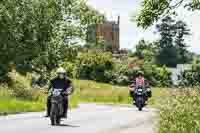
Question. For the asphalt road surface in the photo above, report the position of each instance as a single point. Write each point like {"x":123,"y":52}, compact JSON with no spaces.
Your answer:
{"x":88,"y":118}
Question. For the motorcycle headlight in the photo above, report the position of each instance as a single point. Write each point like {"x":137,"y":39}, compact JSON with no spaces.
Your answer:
{"x":139,"y":90}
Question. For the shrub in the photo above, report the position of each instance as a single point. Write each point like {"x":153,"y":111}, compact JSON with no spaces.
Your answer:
{"x":20,"y":87}
{"x":93,"y":65}
{"x":157,"y":76}
{"x":70,"y":68}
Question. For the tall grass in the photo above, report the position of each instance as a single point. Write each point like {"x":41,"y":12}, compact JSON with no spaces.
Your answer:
{"x":10,"y":104}
{"x":180,"y":113}
{"x":91,"y":91}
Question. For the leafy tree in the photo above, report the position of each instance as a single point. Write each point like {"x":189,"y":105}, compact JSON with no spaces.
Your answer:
{"x":140,"y":47}
{"x":146,"y":50}
{"x":41,"y":33}
{"x":153,"y":10}
{"x":171,"y":44}
{"x":167,"y":53}
{"x":94,"y":64}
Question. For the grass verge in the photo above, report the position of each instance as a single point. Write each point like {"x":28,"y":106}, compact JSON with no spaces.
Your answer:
{"x":91,"y":91}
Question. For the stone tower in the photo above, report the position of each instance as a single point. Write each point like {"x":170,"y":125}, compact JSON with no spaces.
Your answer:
{"x":109,"y":31}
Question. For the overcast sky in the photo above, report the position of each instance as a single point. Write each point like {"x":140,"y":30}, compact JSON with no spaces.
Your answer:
{"x":130,"y":34}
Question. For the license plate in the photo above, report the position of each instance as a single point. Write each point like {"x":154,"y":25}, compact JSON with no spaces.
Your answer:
{"x":56,"y":92}
{"x":139,"y":90}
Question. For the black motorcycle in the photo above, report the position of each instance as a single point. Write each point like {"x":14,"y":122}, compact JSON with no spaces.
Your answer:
{"x":57,"y":110}
{"x":140,"y":97}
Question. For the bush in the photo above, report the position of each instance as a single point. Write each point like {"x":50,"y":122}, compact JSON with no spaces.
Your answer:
{"x":70,"y":69}
{"x":93,"y":65}
{"x":120,"y":74}
{"x":157,"y":76}
{"x":20,"y":87}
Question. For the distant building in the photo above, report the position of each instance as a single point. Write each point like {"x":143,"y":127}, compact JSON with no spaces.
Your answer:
{"x":109,"y":31}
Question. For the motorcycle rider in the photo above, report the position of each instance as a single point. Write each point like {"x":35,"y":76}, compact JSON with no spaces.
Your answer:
{"x":59,"y":82}
{"x":139,"y":81}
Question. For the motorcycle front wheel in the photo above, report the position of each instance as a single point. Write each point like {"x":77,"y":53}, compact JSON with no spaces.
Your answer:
{"x":53,"y":116}
{"x":139,"y":103}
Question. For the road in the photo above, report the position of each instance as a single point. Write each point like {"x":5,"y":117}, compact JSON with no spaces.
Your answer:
{"x":88,"y":118}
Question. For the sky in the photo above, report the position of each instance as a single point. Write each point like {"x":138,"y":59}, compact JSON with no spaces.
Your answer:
{"x":130,"y":34}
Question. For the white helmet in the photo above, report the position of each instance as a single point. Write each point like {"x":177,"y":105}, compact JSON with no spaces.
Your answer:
{"x":61,"y":70}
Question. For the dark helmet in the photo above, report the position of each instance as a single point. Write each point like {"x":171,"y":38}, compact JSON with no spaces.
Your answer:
{"x":140,"y":73}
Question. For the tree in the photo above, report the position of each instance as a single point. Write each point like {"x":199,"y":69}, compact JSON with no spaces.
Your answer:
{"x":41,"y":33}
{"x":167,"y":54}
{"x":172,"y":46}
{"x":181,"y":33}
{"x":153,"y":10}
{"x":93,"y":65}
{"x":146,"y":50}
{"x":140,"y":47}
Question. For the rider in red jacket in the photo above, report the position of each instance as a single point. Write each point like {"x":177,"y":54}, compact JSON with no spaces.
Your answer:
{"x":139,"y":81}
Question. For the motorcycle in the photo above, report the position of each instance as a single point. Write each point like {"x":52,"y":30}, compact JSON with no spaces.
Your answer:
{"x":141,"y":95}
{"x":56,"y":106}
{"x":57,"y":98}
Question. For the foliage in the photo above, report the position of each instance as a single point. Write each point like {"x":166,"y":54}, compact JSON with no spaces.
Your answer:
{"x":146,"y":50}
{"x":70,"y":69}
{"x":40,"y":33}
{"x":180,"y":113}
{"x":120,"y":74}
{"x":19,"y":96}
{"x":157,"y":76}
{"x":20,"y":87}
{"x":93,"y":65}
{"x":153,"y":10}
{"x":182,"y":32}
{"x":100,"y":44}
{"x":172,"y":48}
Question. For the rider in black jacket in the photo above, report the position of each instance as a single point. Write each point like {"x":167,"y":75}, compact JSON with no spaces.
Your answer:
{"x":59,"y":82}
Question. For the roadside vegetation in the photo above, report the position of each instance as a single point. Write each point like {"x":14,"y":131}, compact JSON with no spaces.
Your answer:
{"x":180,"y":112}
{"x":92,"y":91}
{"x":18,"y":96}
